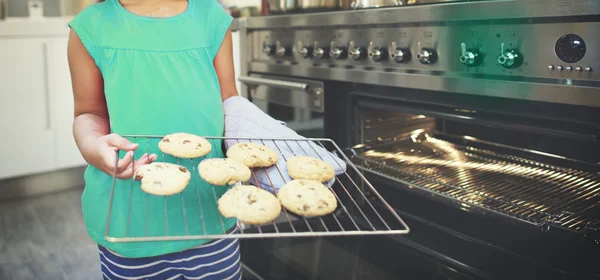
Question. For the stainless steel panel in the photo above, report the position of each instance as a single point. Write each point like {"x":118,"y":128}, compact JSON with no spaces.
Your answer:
{"x":525,"y":90}
{"x":534,"y":41}
{"x":284,"y":91}
{"x":448,"y":12}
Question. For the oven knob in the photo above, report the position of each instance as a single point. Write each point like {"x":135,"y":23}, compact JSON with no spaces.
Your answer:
{"x":267,"y":49}
{"x":304,"y":51}
{"x":426,"y":55}
{"x":510,"y":58}
{"x":377,"y":53}
{"x":469,"y":57}
{"x":337,"y":52}
{"x":355,"y":52}
{"x":279,"y":50}
{"x":320,"y":52}
{"x":399,"y":54}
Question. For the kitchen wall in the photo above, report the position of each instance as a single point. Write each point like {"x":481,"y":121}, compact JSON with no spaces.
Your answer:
{"x":241,"y":3}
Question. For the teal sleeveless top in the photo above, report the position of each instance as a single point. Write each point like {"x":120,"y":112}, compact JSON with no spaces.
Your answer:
{"x":159,"y":78}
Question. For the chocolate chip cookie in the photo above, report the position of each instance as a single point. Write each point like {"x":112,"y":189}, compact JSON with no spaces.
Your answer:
{"x":307,"y":198}
{"x":223,"y":171}
{"x":252,"y":155}
{"x":250,"y":205}
{"x":185,"y":145}
{"x":161,"y":178}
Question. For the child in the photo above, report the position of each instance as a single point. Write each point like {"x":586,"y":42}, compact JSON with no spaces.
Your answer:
{"x":151,"y":67}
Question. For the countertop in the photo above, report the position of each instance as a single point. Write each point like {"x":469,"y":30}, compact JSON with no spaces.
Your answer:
{"x":22,"y":27}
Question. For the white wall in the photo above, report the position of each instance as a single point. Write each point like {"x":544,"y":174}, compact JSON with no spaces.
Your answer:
{"x":241,"y":3}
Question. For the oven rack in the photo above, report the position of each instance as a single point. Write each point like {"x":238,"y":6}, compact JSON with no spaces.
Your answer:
{"x":355,"y":215}
{"x":530,"y":191}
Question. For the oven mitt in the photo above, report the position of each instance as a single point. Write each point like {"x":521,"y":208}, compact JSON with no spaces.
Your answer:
{"x":244,"y":119}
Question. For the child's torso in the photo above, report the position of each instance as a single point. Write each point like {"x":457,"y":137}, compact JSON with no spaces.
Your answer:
{"x":159,"y":78}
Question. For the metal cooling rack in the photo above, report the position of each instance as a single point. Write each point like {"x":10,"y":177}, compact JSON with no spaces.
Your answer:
{"x":361,"y":209}
{"x":530,"y":191}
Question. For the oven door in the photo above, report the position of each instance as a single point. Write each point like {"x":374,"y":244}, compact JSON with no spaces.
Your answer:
{"x":297,"y":102}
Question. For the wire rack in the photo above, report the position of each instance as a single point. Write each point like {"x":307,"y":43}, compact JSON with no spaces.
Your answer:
{"x":533,"y":192}
{"x":361,"y":209}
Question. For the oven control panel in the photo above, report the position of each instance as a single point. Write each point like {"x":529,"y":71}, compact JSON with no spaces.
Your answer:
{"x":540,"y":50}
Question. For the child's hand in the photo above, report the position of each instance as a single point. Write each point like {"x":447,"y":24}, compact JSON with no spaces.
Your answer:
{"x":102,"y":156}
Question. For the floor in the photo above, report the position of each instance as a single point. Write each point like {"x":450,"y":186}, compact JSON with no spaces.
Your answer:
{"x":44,"y":238}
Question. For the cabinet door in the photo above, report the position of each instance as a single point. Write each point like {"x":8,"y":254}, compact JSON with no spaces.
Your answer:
{"x":67,"y":153}
{"x":27,"y":141}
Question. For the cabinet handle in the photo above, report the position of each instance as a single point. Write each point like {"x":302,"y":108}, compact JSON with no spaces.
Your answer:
{"x":46,"y":86}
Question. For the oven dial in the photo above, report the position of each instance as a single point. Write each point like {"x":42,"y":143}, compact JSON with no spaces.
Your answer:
{"x":355,"y":52}
{"x":399,"y":54}
{"x":337,"y":52}
{"x":267,"y":49}
{"x":377,"y":53}
{"x":304,"y":51}
{"x":279,"y":50}
{"x":426,"y":55}
{"x":510,"y":58}
{"x":320,"y":52}
{"x":469,"y":57}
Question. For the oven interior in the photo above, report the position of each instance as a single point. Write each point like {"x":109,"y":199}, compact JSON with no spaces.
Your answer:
{"x":536,"y":164}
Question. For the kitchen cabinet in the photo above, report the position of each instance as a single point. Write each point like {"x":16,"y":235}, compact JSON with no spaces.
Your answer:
{"x":27,"y":142}
{"x":36,"y":106}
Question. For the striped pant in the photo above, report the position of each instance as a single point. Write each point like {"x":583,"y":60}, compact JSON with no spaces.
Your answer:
{"x":215,"y":260}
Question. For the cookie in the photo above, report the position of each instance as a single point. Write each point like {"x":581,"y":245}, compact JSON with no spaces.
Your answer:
{"x":303,"y":167}
{"x":252,"y":155}
{"x":161,"y":178}
{"x":223,"y":171}
{"x":250,"y":205}
{"x":308,"y":198}
{"x":184,"y":145}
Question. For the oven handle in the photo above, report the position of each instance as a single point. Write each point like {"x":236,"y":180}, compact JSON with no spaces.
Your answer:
{"x":274,"y":83}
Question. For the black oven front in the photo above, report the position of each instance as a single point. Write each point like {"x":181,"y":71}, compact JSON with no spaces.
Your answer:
{"x":491,"y":189}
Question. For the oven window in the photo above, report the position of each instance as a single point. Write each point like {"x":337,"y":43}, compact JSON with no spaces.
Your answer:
{"x":513,"y":167}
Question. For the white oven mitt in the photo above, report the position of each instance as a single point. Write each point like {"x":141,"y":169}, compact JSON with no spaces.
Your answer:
{"x":244,"y":119}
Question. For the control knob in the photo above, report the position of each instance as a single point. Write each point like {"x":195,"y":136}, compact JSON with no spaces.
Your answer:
{"x":377,"y":53}
{"x":510,"y":58}
{"x":337,"y":52}
{"x":304,"y":51}
{"x":355,"y":52}
{"x":469,"y":57}
{"x":267,"y":49}
{"x":426,"y":55}
{"x":399,"y":54}
{"x":280,"y":51}
{"x":320,"y":52}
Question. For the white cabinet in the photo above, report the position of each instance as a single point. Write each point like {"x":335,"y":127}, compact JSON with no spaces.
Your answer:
{"x":67,"y":153}
{"x":36,"y":106}
{"x":27,"y":141}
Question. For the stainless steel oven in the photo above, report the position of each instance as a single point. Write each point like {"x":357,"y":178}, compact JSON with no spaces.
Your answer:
{"x":476,"y":120}
{"x":297,"y":102}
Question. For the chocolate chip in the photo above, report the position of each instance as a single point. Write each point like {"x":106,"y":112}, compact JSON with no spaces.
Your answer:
{"x":251,"y":199}
{"x":306,"y":207}
{"x":311,"y":188}
{"x":299,"y":196}
{"x":186,"y":141}
{"x":166,"y":140}
{"x":138,"y":177}
{"x":254,"y":156}
{"x":183,"y":169}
